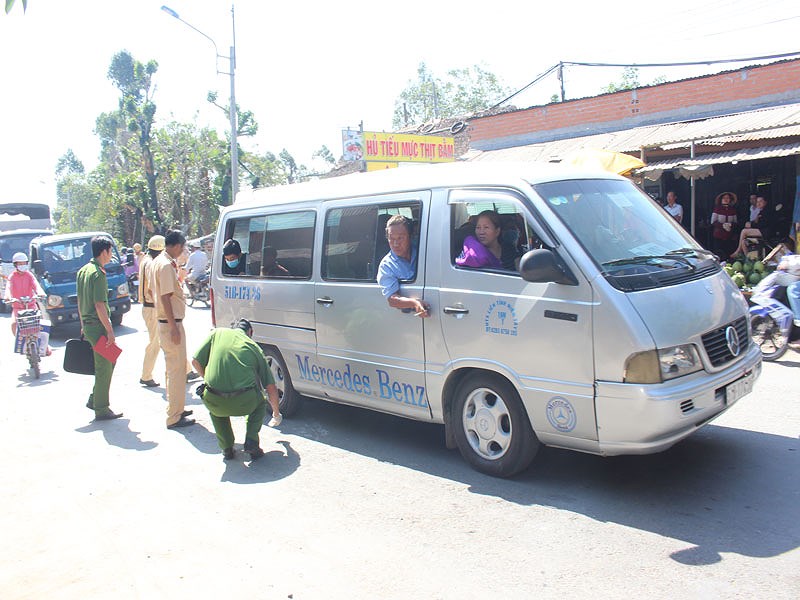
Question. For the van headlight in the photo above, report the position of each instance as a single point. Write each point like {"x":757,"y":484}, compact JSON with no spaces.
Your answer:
{"x":54,"y":301}
{"x":655,"y":366}
{"x":122,"y":289}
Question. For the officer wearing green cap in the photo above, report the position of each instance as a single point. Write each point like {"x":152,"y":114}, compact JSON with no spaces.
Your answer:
{"x":95,"y":322}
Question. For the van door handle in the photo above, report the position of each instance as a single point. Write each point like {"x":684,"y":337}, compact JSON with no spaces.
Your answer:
{"x":458,"y":311}
{"x":325,"y":301}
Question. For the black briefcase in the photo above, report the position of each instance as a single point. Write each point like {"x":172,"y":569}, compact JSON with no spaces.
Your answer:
{"x":79,"y":357}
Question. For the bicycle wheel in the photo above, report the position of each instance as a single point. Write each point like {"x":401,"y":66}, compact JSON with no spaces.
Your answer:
{"x":32,"y":350}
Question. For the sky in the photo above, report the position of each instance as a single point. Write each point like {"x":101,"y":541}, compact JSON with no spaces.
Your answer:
{"x":308,"y":69}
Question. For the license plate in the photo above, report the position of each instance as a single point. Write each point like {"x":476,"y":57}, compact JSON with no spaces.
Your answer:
{"x":737,"y":389}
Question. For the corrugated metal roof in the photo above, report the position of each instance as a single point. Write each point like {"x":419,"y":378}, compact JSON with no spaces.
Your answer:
{"x":724,"y":157}
{"x":767,"y":123}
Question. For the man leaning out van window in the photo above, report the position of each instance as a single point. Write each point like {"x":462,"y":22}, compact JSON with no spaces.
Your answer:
{"x":235,"y":262}
{"x":399,"y":263}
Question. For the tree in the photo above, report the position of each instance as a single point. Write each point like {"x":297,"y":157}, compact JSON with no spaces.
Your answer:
{"x":10,"y":5}
{"x":325,"y":154}
{"x":134,"y":80}
{"x":629,"y":81}
{"x":461,"y":91}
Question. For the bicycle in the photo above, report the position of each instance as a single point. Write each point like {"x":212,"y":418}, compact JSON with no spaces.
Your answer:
{"x":29,"y":326}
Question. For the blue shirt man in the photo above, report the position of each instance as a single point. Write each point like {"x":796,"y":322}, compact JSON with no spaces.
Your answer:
{"x":399,"y":263}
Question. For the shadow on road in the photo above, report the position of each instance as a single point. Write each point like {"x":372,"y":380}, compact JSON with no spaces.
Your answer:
{"x":200,"y":437}
{"x":118,"y":433}
{"x":274,"y":465}
{"x":721,"y":490}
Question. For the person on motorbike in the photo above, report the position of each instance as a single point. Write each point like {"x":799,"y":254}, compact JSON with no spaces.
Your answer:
{"x":197,"y":263}
{"x":20,"y":283}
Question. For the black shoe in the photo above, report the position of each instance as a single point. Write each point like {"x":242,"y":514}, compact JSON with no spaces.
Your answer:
{"x":149,"y":383}
{"x":192,"y":376}
{"x":253,"y":449}
{"x":187,"y":413}
{"x":107,"y":416}
{"x":256,"y":454}
{"x":182,"y":422}
{"x":90,"y":404}
{"x":228,"y":454}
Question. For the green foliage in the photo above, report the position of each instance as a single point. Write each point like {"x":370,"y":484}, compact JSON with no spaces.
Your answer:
{"x":325,"y":154}
{"x":629,"y":81}
{"x":153,"y":178}
{"x":461,"y":91}
{"x":10,"y":5}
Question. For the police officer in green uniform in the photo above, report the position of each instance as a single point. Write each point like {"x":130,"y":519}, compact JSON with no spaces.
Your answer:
{"x":95,"y":322}
{"x":236,"y":374}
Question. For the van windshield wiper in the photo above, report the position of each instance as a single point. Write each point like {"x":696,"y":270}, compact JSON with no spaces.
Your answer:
{"x":685,"y":251}
{"x":649,"y":258}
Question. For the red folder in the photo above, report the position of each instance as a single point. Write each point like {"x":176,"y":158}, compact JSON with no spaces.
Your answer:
{"x":110,"y":353}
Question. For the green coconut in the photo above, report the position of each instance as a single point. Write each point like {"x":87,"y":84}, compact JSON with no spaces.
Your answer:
{"x":737,"y":266}
{"x":740,"y":280}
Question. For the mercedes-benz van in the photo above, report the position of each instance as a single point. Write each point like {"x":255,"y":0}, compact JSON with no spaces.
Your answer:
{"x":615,"y":333}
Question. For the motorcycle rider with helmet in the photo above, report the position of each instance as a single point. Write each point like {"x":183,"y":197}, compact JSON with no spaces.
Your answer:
{"x":20,"y":283}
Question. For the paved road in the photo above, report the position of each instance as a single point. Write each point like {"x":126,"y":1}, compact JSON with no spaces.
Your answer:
{"x":353,"y":504}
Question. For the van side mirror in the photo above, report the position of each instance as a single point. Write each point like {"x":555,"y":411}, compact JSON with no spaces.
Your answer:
{"x":543,"y":266}
{"x":38,"y":267}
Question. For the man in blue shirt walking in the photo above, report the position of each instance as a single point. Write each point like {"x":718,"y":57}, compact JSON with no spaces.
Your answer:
{"x":400,"y":263}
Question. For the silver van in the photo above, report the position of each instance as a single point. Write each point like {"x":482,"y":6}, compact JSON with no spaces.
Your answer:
{"x":615,"y":333}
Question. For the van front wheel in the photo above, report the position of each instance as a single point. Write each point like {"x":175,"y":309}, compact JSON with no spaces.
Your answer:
{"x":289,"y":399}
{"x":492,"y":430}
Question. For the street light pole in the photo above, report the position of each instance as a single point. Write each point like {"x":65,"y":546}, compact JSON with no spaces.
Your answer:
{"x":232,"y":110}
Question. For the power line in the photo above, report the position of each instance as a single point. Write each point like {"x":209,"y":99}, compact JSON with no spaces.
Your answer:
{"x":560,"y":65}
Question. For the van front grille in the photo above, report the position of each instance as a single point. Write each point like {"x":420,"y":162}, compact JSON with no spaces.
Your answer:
{"x":716,"y":346}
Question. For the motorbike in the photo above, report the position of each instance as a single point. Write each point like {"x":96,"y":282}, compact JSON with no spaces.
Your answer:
{"x":29,"y":330}
{"x":133,"y":286}
{"x":198,"y":288}
{"x":771,"y":320}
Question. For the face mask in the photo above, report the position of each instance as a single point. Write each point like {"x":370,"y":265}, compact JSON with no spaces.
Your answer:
{"x":22,"y":268}
{"x":232,"y":263}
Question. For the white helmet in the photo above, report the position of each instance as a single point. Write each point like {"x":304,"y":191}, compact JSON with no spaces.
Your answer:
{"x":19,"y":257}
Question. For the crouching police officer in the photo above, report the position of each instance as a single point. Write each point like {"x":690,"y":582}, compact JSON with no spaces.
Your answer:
{"x":236,"y":374}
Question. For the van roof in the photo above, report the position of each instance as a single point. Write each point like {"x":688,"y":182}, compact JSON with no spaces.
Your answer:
{"x":416,"y":177}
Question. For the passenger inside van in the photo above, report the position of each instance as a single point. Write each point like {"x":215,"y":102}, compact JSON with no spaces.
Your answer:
{"x":235,"y":262}
{"x":271,"y":268}
{"x":486,"y":248}
{"x":400,"y":264}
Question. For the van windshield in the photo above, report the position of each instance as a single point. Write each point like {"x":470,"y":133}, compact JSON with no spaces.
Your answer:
{"x":629,"y":237}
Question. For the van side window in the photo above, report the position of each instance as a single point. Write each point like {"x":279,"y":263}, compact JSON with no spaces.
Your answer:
{"x":275,"y":245}
{"x":355,"y":240}
{"x":287,"y":247}
{"x":489,"y":234}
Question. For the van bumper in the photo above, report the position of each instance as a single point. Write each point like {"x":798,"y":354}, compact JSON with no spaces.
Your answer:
{"x":644,"y":419}
{"x":59,"y":316}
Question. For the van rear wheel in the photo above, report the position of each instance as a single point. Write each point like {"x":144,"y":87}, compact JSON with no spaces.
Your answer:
{"x":492,"y":429}
{"x":289,"y":399}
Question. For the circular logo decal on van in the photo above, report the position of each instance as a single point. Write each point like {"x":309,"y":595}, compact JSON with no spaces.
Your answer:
{"x":561,"y":414}
{"x":500,"y":319}
{"x":732,"y":338}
